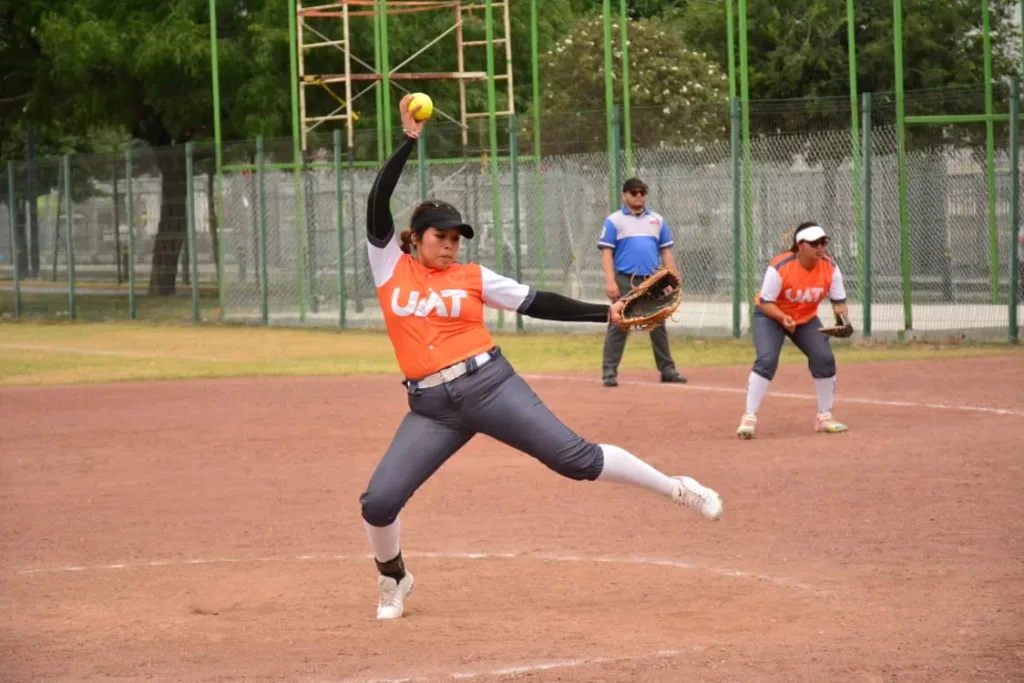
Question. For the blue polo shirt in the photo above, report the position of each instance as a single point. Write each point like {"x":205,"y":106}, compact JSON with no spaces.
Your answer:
{"x":636,"y":240}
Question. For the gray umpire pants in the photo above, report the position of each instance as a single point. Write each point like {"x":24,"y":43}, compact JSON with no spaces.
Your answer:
{"x":769,"y":336}
{"x":494,"y":401}
{"x":615,"y":339}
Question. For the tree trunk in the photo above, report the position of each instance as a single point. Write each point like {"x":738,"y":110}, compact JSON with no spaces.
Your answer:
{"x":170,"y":232}
{"x":186,"y":275}
{"x":211,"y":210}
{"x":21,"y":211}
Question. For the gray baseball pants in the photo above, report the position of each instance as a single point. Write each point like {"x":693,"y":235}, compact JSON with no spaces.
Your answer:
{"x":769,"y":337}
{"x":494,"y":401}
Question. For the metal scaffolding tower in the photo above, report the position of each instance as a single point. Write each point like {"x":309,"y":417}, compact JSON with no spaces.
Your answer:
{"x":315,"y":32}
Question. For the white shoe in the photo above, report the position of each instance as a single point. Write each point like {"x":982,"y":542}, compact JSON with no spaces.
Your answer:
{"x":824,"y":423}
{"x":392,"y":596}
{"x":697,"y":497}
{"x":747,"y":426}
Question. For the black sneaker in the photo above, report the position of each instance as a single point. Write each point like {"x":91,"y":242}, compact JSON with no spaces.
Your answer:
{"x":676,"y":378}
{"x":611,"y":382}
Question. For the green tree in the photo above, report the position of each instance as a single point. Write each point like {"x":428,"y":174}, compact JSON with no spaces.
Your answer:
{"x":145,"y":68}
{"x":798,"y":48}
{"x":30,"y":132}
{"x":678,"y":95}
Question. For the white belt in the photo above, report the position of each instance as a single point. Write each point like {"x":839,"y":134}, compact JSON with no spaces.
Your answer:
{"x":451,"y":372}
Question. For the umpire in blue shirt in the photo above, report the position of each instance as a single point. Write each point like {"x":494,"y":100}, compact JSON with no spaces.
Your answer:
{"x":635,"y":243}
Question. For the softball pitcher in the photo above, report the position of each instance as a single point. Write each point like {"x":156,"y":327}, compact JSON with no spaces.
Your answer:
{"x":795,"y":283}
{"x":457,"y":380}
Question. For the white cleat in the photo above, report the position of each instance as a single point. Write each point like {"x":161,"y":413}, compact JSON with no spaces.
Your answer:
{"x":747,"y":426}
{"x":392,"y":596}
{"x":825,"y":424}
{"x":697,"y":497}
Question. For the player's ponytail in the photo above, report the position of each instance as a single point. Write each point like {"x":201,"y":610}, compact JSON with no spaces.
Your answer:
{"x":406,"y":241}
{"x":789,"y":240}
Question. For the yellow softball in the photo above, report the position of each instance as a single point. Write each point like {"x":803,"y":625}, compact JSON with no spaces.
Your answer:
{"x":426,"y":106}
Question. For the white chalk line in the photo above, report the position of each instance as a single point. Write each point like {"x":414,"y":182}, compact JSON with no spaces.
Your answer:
{"x":802,"y":397}
{"x":531,"y":668}
{"x":101,"y":352}
{"x":537,"y":557}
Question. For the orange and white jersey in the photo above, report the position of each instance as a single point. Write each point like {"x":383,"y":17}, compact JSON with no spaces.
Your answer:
{"x":798,"y":291}
{"x":435,"y":318}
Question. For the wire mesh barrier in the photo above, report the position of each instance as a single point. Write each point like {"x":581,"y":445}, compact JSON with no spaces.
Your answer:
{"x":106,"y":234}
{"x":924,"y":247}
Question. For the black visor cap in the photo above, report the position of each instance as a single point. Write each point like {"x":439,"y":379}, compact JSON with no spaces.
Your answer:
{"x":442,"y":218}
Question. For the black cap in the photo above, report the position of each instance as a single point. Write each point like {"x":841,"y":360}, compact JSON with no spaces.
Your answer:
{"x":633,"y":184}
{"x":442,"y":216}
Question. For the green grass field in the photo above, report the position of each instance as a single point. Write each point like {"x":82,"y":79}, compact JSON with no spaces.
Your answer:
{"x":34,"y":353}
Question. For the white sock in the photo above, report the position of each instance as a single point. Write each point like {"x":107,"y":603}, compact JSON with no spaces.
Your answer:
{"x":384,"y":540}
{"x":757,"y":387}
{"x":622,"y":467}
{"x":826,"y":389}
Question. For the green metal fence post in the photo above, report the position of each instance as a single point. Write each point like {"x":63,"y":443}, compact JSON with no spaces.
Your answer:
{"x":748,"y":204}
{"x":867,"y":147}
{"x":1015,"y":235}
{"x":128,"y":173}
{"x":378,"y":88}
{"x":542,"y":256}
{"x":190,"y":224}
{"x":421,"y":168}
{"x":538,"y":188}
{"x":15,"y":250}
{"x":340,"y":220}
{"x":616,"y":158}
{"x":513,"y":153}
{"x":499,"y":242}
{"x":990,"y":147}
{"x":357,"y":295}
{"x":851,"y":46}
{"x":300,"y":240}
{"x":70,"y":208}
{"x":627,"y":125}
{"x":901,"y":132}
{"x":262,"y":228}
{"x":385,"y":73}
{"x":737,"y":221}
{"x":609,"y":104}
{"x":218,"y":155}
{"x":730,"y":38}
{"x":298,"y":160}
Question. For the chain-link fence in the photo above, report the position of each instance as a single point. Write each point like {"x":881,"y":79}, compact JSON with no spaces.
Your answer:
{"x":99,"y":237}
{"x":286,"y":245}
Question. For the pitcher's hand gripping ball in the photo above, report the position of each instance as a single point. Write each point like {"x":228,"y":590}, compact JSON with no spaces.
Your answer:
{"x":425,"y":103}
{"x":842,"y":329}
{"x":653,"y":300}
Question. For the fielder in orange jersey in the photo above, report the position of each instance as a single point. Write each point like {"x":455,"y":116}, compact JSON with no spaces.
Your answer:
{"x":458,"y":382}
{"x":795,"y":283}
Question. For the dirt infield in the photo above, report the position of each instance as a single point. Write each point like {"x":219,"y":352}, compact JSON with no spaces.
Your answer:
{"x":210,"y":531}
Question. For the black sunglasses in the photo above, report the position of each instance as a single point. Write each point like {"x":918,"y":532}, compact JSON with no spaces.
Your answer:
{"x":638,"y":193}
{"x":822,"y":242}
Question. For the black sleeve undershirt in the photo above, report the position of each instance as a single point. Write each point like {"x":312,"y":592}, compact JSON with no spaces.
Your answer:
{"x":551,"y":306}
{"x":380,"y":226}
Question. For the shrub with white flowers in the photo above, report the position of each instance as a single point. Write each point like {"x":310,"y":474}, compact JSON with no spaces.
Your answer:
{"x":678,"y":96}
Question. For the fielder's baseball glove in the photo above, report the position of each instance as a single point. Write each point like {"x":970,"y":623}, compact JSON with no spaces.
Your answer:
{"x":842,"y":329}
{"x":653,"y":300}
